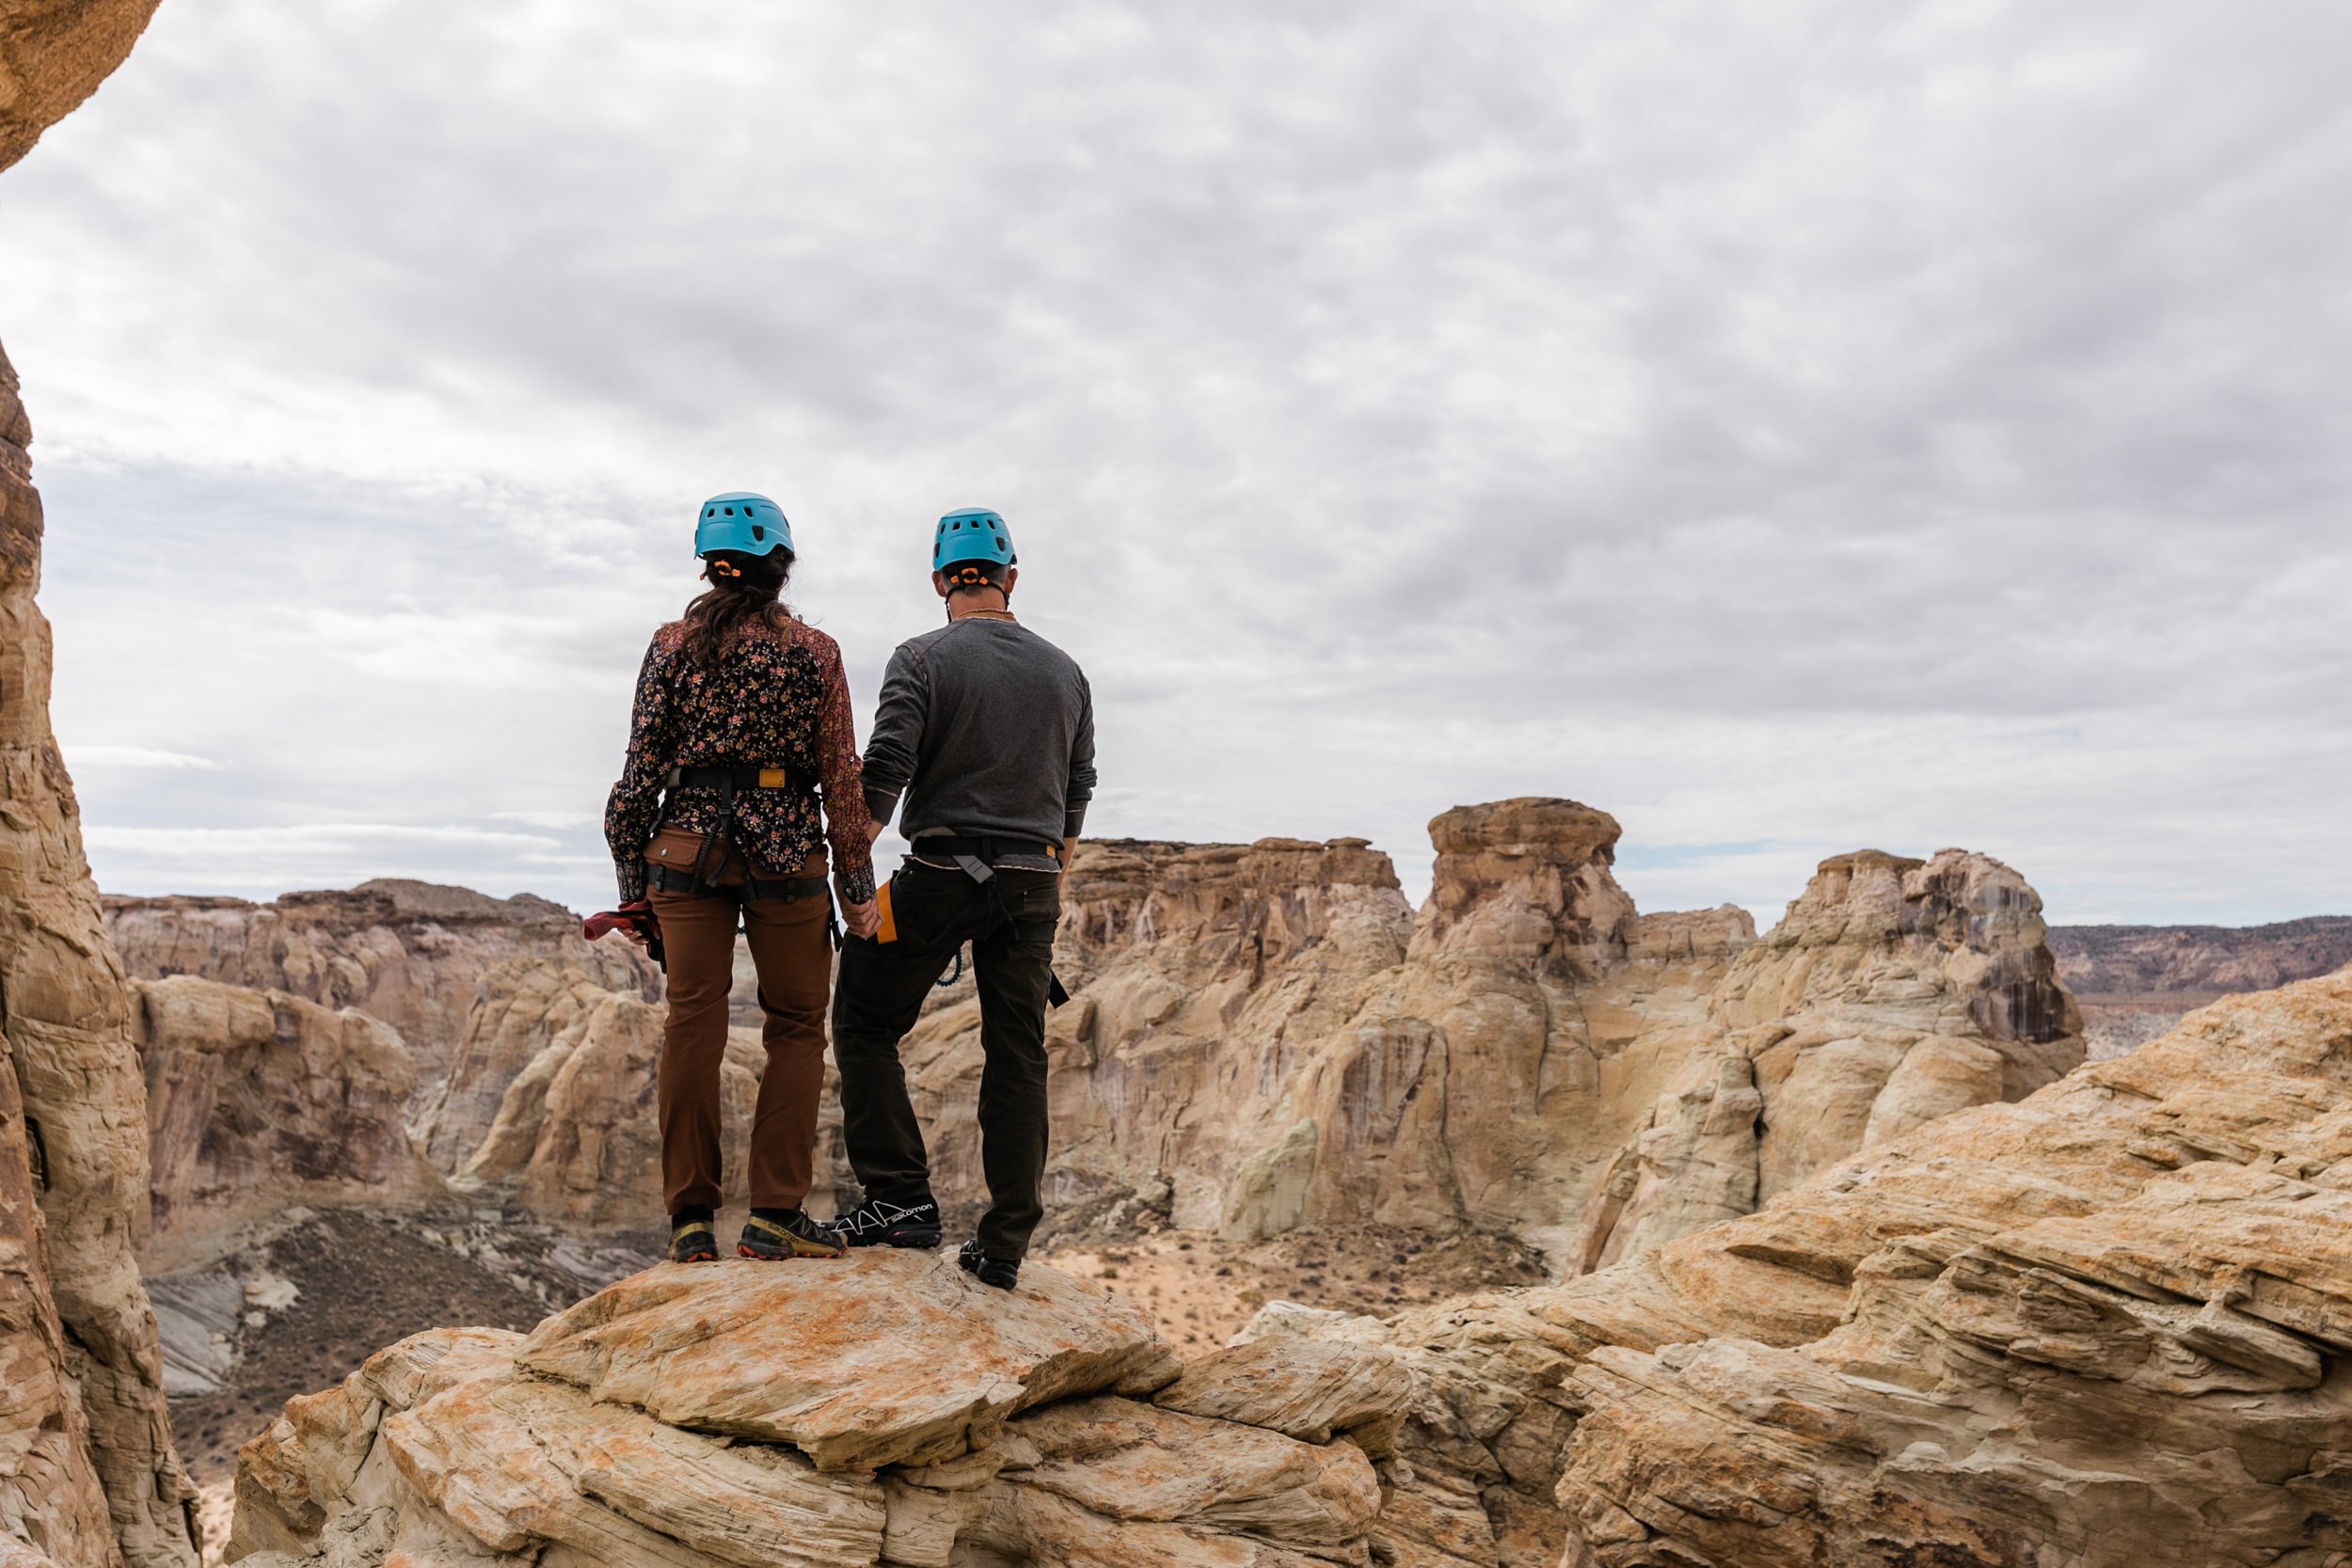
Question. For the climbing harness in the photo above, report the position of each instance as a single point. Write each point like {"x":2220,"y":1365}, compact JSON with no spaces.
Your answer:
{"x":703,"y":880}
{"x":977,"y":858}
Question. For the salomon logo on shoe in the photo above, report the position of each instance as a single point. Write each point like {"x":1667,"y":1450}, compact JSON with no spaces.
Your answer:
{"x":878,"y":1223}
{"x":1001,"y":1273}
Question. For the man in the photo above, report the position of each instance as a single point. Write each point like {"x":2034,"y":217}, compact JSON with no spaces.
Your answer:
{"x":988,"y":729}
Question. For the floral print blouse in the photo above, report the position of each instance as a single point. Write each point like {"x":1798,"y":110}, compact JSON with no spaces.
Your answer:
{"x":777,"y":697}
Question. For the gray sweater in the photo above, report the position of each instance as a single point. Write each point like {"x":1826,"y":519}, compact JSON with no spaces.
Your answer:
{"x":988,"y":729}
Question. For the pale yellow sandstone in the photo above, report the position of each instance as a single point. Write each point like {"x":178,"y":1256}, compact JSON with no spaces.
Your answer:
{"x":452,"y":1447}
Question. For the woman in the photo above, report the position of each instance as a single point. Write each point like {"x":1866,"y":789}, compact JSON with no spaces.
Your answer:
{"x":742,"y":718}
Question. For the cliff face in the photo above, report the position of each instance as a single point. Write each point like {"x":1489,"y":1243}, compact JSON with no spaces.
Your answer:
{"x":2199,"y":961}
{"x":413,"y":955}
{"x":576,"y":1140}
{"x":87,"y":1472}
{"x":1267,"y":1037}
{"x":2135,"y":981}
{"x":1201,"y":973}
{"x":258,"y":1101}
{"x":2105,"y":1327}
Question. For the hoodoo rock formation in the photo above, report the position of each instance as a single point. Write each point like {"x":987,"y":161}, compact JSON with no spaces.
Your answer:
{"x":87,"y":1471}
{"x":887,"y":1409}
{"x":2105,"y":1327}
{"x":1268,"y":1037}
{"x":1895,"y":992}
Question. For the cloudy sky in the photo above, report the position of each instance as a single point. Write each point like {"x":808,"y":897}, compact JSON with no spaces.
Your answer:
{"x":1790,"y":427}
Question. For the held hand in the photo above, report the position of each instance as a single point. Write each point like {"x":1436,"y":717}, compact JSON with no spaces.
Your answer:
{"x":864,"y":920}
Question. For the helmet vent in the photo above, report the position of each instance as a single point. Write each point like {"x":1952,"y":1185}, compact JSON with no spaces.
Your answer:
{"x":758,"y":533}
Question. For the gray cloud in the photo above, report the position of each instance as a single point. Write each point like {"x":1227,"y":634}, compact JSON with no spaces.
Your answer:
{"x":1789,"y":427}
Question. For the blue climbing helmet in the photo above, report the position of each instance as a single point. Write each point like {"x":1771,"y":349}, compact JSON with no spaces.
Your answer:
{"x":740,"y":522}
{"x":974,"y":533}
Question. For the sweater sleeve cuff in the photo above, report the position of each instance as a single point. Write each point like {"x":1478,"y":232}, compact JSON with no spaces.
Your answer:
{"x":880,"y":804}
{"x":1073,"y":824}
{"x":857,"y":887}
{"x":631,"y":874}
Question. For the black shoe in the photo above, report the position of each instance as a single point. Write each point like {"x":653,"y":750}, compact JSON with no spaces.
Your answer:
{"x":877,"y":1222}
{"x":692,"y":1240}
{"x":792,"y":1234}
{"x":989,"y":1270}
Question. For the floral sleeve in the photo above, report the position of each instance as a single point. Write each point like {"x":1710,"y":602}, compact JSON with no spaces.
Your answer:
{"x":850,"y":830}
{"x":634,"y":808}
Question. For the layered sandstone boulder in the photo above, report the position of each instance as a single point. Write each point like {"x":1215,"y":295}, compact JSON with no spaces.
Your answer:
{"x":87,"y":1472}
{"x":414,"y":954}
{"x":2105,"y":1326}
{"x":886,"y":1409}
{"x":257,"y":1101}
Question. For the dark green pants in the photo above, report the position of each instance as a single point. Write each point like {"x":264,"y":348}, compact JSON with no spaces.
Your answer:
{"x":881,"y":992}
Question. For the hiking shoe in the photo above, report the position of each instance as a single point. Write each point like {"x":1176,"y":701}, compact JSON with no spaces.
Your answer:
{"x":790,"y":1235}
{"x":693,"y":1242}
{"x":987,"y":1270}
{"x":876,"y":1223}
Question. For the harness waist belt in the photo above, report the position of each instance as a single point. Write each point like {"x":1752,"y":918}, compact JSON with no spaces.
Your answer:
{"x":741,"y":777}
{"x":787,"y":889}
{"x":988,"y":850}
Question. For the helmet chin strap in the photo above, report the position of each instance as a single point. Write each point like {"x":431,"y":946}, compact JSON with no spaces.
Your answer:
{"x":971,"y":578}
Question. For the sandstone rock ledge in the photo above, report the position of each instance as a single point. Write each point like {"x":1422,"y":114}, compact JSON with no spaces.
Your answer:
{"x":884,"y":1409}
{"x":2107,"y":1326}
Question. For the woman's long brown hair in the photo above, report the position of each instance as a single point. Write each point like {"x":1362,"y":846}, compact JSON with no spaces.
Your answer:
{"x":744,"y":588}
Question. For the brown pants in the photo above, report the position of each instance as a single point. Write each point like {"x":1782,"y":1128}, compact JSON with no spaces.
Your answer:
{"x":794,"y":958}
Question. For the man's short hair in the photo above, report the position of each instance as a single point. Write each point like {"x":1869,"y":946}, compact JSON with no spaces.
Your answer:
{"x":971,"y":577}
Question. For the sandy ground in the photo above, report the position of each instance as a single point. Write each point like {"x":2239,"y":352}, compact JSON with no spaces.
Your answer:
{"x":1201,"y":1290}
{"x":212,"y":1510}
